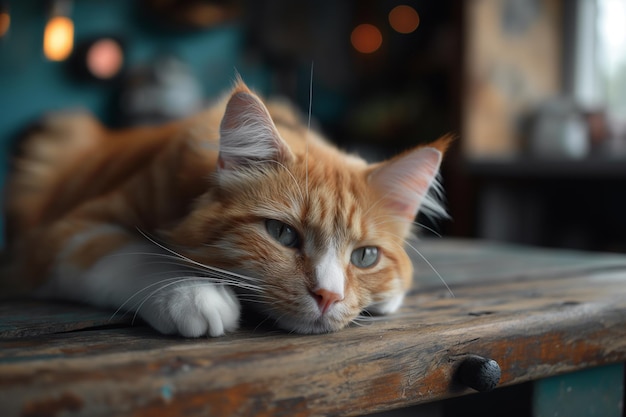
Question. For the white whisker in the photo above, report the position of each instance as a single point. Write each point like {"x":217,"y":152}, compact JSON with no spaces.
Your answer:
{"x":431,"y":267}
{"x":137,"y":308}
{"x":357,"y":323}
{"x":254,"y":300}
{"x":203,"y":274}
{"x":430,"y":229}
{"x":175,"y":281}
{"x":191,"y":261}
{"x":175,"y":260}
{"x":267,"y":317}
{"x":121,"y":307}
{"x":308,"y":131}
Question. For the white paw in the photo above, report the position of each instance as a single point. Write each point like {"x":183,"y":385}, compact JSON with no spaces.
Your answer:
{"x":194,"y":309}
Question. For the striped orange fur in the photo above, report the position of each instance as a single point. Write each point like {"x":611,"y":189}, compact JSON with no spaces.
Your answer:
{"x":244,"y":203}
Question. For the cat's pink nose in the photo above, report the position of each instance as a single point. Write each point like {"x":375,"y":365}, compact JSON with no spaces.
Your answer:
{"x":325,"y":299}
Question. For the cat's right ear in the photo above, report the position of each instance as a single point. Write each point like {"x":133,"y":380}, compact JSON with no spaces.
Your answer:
{"x":248,"y":135}
{"x":404,"y":181}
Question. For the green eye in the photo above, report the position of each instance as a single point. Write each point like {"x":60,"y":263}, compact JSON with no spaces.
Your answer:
{"x":365,"y":257}
{"x":283,"y":233}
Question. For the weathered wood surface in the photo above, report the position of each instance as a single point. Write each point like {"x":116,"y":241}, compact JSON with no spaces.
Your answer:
{"x":24,"y":318}
{"x":537,"y":312}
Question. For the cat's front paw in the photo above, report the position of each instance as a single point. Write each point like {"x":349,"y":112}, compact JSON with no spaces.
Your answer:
{"x":195,"y":309}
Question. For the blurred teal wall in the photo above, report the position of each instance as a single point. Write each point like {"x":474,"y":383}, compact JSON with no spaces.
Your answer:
{"x":30,"y":85}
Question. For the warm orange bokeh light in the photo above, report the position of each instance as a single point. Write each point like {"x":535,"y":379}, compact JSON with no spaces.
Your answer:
{"x":366,"y":38}
{"x":58,"y":38}
{"x":5,"y":23}
{"x":105,"y":58}
{"x":404,"y":19}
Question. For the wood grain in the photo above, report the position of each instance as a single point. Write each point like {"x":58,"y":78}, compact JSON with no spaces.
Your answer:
{"x":23,"y":318}
{"x":538,"y":313}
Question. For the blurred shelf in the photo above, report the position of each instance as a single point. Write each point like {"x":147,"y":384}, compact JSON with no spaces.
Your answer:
{"x":535,"y":168}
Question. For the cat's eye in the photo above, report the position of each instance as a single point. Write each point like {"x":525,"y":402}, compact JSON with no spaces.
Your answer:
{"x":283,"y":233}
{"x":365,"y":257}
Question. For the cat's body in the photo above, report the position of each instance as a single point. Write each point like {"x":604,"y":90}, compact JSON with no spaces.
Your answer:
{"x":246,"y":207}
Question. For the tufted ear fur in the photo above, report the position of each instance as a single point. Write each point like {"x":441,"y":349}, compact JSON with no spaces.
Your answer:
{"x":404,"y":182}
{"x":248,"y":135}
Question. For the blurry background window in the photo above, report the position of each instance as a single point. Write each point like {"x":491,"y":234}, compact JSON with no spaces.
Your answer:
{"x":601,"y":62}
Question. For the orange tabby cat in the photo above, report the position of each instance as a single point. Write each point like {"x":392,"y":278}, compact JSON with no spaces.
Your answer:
{"x":247,"y":204}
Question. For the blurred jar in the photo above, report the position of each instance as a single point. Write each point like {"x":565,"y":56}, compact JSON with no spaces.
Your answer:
{"x":559,"y":131}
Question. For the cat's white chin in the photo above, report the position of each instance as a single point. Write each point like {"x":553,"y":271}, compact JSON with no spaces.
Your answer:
{"x":335,"y":320}
{"x":310,"y":327}
{"x":323,"y":324}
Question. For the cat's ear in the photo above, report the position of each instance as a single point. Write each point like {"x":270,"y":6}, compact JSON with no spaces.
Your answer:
{"x":404,"y":181}
{"x":248,"y":135}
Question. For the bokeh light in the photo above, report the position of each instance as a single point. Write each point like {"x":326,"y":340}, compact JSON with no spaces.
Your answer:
{"x":105,"y":58}
{"x":58,"y":38}
{"x":5,"y":23}
{"x":404,"y":19}
{"x":366,"y":38}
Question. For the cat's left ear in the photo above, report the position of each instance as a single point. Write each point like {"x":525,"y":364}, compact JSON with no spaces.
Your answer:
{"x":404,"y":181}
{"x":248,"y":135}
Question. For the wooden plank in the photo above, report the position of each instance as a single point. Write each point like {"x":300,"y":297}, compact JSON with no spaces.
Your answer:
{"x":462,"y":261}
{"x":21,"y":318}
{"x":538,"y":313}
{"x":534,"y":327}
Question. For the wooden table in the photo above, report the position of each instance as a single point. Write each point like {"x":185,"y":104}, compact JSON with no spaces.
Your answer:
{"x":538,"y":313}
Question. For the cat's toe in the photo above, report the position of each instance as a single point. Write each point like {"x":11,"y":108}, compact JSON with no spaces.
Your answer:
{"x":220,"y":310}
{"x":205,"y":310}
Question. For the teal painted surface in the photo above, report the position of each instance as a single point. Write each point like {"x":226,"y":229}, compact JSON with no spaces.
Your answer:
{"x":30,"y":85}
{"x":593,"y":392}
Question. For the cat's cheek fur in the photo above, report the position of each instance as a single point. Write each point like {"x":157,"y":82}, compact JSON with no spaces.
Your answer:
{"x":388,"y":306}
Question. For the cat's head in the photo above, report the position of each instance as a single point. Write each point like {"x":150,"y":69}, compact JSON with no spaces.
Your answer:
{"x":312,"y":236}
